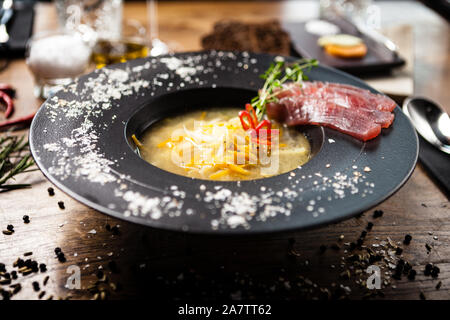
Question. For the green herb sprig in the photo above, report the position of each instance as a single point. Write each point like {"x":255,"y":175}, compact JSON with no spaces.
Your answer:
{"x":277,"y":74}
{"x":15,"y":158}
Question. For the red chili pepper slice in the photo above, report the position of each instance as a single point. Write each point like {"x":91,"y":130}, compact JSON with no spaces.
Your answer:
{"x":245,"y":116}
{"x":264,"y":124}
{"x":252,"y":112}
{"x":9,"y":103}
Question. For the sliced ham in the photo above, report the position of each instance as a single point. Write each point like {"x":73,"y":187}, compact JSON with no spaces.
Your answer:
{"x":349,"y":109}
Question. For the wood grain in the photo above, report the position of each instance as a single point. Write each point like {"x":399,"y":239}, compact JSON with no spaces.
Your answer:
{"x":163,"y":264}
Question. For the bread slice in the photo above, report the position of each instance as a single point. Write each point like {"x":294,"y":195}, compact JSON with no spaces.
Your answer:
{"x":268,"y":37}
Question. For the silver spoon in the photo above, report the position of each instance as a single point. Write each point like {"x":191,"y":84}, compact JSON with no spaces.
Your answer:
{"x":430,"y":120}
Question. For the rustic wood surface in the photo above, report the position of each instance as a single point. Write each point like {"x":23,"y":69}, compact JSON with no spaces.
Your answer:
{"x":162,"y":264}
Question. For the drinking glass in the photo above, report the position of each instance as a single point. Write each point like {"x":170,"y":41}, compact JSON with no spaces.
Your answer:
{"x":56,"y":58}
{"x":103,"y":16}
{"x":363,"y":12}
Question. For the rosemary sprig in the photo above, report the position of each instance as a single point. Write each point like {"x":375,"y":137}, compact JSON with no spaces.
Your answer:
{"x":15,"y":158}
{"x":277,"y":74}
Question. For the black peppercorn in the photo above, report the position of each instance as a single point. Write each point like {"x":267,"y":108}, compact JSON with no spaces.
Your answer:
{"x":20,"y":263}
{"x":51,"y":191}
{"x":100,"y":274}
{"x":10,"y":227}
{"x":412,"y":274}
{"x":26,"y":219}
{"x":435,"y":271}
{"x":115,"y":230}
{"x":61,"y":257}
{"x":61,"y":205}
{"x":36,"y":286}
{"x":428,"y":269}
{"x":378,"y":213}
{"x":398,"y":251}
{"x":408,"y":239}
{"x":42,"y":267}
{"x":369,"y":226}
{"x":57,"y":250}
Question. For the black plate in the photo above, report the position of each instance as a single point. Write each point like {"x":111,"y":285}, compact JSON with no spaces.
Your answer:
{"x":80,"y":139}
{"x":377,"y":60}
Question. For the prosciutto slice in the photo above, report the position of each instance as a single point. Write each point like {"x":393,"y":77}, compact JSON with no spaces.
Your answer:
{"x":349,"y":109}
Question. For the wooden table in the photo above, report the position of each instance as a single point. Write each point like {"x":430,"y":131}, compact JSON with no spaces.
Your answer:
{"x":162,"y":264}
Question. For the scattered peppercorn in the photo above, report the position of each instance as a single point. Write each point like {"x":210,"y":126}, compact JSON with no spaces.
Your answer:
{"x":61,"y":205}
{"x":408,"y":239}
{"x":16,"y":288}
{"x":57,"y":250}
{"x":412,"y":274}
{"x":7,"y":232}
{"x":42,"y":267}
{"x":61,"y":257}
{"x":14,"y":274}
{"x":428,"y":268}
{"x":10,"y":227}
{"x":26,"y":219}
{"x":435,"y":271}
{"x":363,"y":234}
{"x":115,"y":230}
{"x":369,"y":226}
{"x":100,"y":274}
{"x":36,"y":286}
{"x":406,"y":268}
{"x":51,"y":191}
{"x":378,"y":214}
{"x":34,"y":266}
{"x":398,"y":251}
{"x":20,"y":263}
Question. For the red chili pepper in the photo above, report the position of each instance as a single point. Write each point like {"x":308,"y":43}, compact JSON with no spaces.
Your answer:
{"x":7,"y":89}
{"x":9,"y":103}
{"x":252,"y":112}
{"x":243,"y":115}
{"x":20,"y":121}
{"x":264,"y":124}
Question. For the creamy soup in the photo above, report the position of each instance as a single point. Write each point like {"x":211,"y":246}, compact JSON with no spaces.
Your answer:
{"x":213,"y":145}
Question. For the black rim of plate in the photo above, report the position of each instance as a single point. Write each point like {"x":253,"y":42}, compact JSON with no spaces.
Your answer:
{"x":81,"y":141}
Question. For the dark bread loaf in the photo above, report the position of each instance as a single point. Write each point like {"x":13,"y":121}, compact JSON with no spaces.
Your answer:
{"x":266,"y":37}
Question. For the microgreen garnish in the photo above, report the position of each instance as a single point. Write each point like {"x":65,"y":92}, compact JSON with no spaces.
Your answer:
{"x":277,"y":74}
